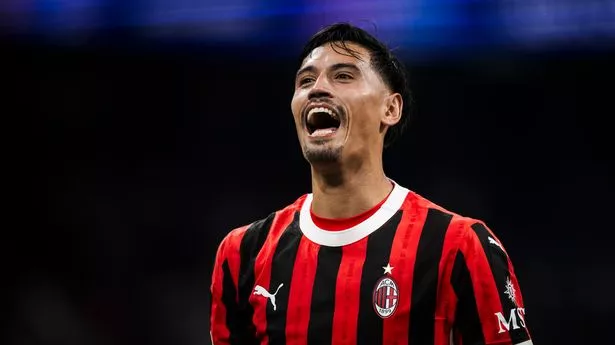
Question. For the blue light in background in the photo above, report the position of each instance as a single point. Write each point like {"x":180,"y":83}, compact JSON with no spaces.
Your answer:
{"x":412,"y":25}
{"x":65,"y":18}
{"x":547,"y":22}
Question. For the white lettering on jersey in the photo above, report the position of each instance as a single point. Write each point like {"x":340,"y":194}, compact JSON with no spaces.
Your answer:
{"x":505,"y":324}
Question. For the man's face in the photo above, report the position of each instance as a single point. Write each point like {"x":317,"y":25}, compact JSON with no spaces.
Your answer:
{"x":338,"y":104}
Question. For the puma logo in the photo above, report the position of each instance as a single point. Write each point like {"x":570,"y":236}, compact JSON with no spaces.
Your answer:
{"x":259,"y":290}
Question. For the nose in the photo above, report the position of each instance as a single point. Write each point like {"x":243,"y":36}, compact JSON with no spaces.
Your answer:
{"x":320,"y":89}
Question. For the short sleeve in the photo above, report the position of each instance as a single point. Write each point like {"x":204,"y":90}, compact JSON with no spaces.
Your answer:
{"x":227,"y":324}
{"x":490,"y":308}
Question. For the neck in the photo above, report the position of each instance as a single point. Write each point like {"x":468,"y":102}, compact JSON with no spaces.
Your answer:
{"x":343,"y":192}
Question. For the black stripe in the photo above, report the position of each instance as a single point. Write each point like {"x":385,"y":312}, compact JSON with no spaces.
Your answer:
{"x":229,"y":293}
{"x":282,"y":273}
{"x":379,"y":244}
{"x":425,"y":281}
{"x":251,"y":244}
{"x":320,"y":328}
{"x":498,"y":262}
{"x":467,"y":319}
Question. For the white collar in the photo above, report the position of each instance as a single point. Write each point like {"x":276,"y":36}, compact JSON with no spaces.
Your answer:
{"x":347,"y":236}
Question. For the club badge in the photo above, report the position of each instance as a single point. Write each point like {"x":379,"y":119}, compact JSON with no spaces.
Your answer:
{"x":386,"y":294}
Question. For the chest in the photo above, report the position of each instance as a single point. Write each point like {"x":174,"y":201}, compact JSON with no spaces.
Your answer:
{"x":355,"y":289}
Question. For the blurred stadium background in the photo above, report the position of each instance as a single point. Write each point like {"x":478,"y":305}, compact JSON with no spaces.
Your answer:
{"x":149,"y":129}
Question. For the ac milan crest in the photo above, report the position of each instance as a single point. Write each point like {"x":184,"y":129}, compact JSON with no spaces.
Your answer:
{"x":385,"y":296}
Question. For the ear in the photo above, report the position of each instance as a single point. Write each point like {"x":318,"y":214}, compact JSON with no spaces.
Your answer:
{"x":394,"y":104}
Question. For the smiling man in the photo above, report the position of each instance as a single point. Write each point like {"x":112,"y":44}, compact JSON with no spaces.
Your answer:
{"x":361,"y":259}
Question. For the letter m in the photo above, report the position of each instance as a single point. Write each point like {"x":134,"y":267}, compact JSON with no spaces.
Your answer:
{"x":505,"y":324}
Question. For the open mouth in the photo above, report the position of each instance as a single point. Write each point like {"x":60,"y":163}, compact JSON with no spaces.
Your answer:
{"x":322,"y":121}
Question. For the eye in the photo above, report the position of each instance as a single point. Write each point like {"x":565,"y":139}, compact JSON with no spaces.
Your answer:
{"x":305,"y":80}
{"x":343,"y":76}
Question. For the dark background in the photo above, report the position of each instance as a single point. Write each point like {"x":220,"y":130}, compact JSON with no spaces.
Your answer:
{"x":135,"y":157}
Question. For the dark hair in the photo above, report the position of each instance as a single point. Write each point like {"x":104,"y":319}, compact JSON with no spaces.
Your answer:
{"x":382,"y":60}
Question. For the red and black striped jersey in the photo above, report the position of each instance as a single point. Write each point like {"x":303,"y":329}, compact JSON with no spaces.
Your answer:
{"x":411,"y":273}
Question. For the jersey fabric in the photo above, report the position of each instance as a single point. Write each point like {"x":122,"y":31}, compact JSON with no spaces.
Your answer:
{"x":411,"y":273}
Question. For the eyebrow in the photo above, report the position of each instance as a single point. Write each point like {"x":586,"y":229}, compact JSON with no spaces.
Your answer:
{"x":336,"y":66}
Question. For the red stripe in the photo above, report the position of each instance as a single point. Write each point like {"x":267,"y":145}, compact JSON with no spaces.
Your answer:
{"x":402,"y":258}
{"x":387,"y":292}
{"x":518,"y":294}
{"x":234,"y":260}
{"x":300,"y":294}
{"x":227,"y":250}
{"x":445,"y":307}
{"x":384,"y":297}
{"x":347,"y":295}
{"x":262,"y":271}
{"x":458,"y":339}
{"x":218,"y":327}
{"x":485,"y":289}
{"x":513,"y":278}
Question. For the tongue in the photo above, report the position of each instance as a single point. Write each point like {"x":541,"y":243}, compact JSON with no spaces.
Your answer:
{"x":323,"y":131}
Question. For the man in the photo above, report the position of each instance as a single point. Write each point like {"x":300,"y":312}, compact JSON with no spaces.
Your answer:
{"x":361,"y":260}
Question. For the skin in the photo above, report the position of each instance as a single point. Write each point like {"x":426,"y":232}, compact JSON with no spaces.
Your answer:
{"x":346,"y":167}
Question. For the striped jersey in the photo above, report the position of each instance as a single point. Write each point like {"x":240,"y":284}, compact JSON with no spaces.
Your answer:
{"x":411,"y":273}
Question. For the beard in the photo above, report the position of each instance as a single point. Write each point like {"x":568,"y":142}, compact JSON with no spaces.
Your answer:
{"x":322,"y":153}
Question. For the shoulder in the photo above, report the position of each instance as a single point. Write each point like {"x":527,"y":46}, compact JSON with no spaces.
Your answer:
{"x":255,"y":232}
{"x":463,"y":229}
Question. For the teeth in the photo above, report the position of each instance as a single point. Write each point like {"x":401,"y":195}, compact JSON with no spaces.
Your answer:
{"x":323,"y":132}
{"x":322,"y":110}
